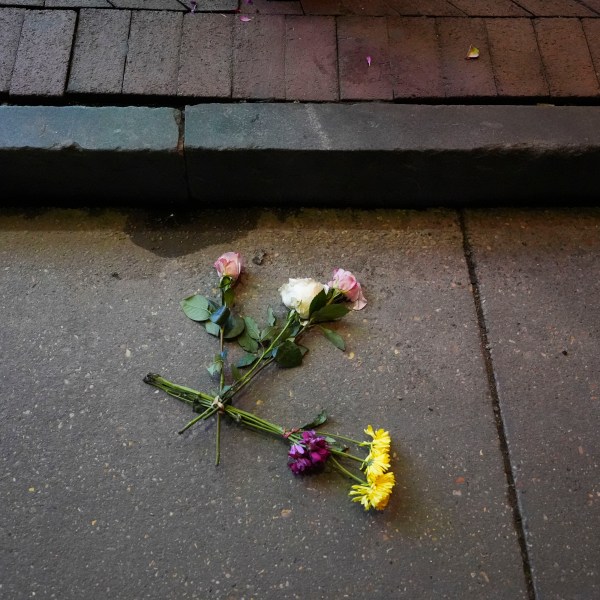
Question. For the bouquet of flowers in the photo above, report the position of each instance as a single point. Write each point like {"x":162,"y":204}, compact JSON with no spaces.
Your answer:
{"x":309,"y":305}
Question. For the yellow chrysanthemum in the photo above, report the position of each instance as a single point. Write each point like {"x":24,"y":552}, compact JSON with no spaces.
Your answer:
{"x":376,"y":493}
{"x":381,"y":439}
{"x":376,"y":463}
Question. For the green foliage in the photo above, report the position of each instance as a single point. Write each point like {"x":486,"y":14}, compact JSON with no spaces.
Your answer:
{"x":318,"y":302}
{"x":331,"y":312}
{"x":318,"y":420}
{"x":252,"y":328}
{"x":288,"y":355}
{"x":233,"y":327}
{"x":196,"y":307}
{"x":220,"y":315}
{"x":334,"y":338}
{"x":247,"y":342}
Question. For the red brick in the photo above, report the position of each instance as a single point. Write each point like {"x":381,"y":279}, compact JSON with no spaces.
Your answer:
{"x":368,"y":8}
{"x":43,"y":56}
{"x":11,"y":20}
{"x":258,"y":57}
{"x":425,"y":8}
{"x":566,"y":57}
{"x":324,"y":7}
{"x":556,"y":8}
{"x":490,"y":8}
{"x":591,"y":28}
{"x":516,"y":58}
{"x":359,"y":38}
{"x":100,"y":51}
{"x":415,"y":60}
{"x":153,"y":56}
{"x":150,"y":4}
{"x":593,"y":5}
{"x":462,"y":77}
{"x":270,"y":7}
{"x":205,"y":57}
{"x":311,"y":59}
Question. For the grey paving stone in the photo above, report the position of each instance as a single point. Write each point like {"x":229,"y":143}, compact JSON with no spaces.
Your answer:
{"x":153,"y":56}
{"x":21,"y":2}
{"x":43,"y":56}
{"x":85,"y":153}
{"x":205,"y":56}
{"x":77,"y":4}
{"x":100,"y":50}
{"x":150,"y":4}
{"x":259,"y":58}
{"x":11,"y":20}
{"x":538,"y":275}
{"x":94,"y":476}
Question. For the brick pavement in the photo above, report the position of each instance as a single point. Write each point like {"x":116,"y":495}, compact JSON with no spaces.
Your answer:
{"x":300,"y":50}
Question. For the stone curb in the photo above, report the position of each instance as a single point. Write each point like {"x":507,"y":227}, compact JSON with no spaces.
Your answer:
{"x":360,"y":155}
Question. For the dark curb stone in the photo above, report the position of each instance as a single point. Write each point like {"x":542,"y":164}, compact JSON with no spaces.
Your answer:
{"x":392,"y":155}
{"x":306,"y":154}
{"x":81,"y":153}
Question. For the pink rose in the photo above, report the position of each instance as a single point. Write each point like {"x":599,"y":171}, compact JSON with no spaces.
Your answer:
{"x":346,"y":283}
{"x":229,"y":265}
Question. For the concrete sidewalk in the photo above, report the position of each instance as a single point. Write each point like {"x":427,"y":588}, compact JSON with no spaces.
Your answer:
{"x":478,"y":350}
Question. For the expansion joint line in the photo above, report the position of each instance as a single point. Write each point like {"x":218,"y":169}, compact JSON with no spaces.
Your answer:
{"x":493,"y":388}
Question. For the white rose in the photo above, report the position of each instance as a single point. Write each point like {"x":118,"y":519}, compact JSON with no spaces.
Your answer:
{"x":299,"y":293}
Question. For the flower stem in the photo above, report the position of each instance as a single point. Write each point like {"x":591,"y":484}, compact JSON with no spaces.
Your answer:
{"x":346,"y":472}
{"x":346,"y":455}
{"x":341,"y":437}
{"x":259,"y":363}
{"x":196,"y":419}
{"x":218,"y":450}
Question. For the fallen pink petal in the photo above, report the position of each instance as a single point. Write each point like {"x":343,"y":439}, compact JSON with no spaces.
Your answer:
{"x":369,"y":60}
{"x":245,"y":19}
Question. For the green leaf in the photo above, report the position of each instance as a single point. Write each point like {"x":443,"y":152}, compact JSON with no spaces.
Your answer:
{"x":318,"y":302}
{"x":246,"y":361}
{"x":303,"y":349}
{"x":216,"y":367}
{"x":271,"y":319}
{"x":334,"y":338}
{"x":331,"y":312}
{"x":318,"y":420}
{"x":270,"y":333}
{"x":248,"y":343}
{"x":196,"y":308}
{"x":235,"y":372}
{"x":334,"y":444}
{"x":234,"y":326}
{"x":220,"y":315}
{"x":288,"y":355}
{"x":212,"y":328}
{"x":252,"y":328}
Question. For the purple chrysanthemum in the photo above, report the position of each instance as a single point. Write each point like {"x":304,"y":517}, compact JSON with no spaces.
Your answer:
{"x":308,"y":455}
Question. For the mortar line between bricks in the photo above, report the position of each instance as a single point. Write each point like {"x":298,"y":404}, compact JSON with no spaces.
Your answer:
{"x":498,"y":417}
{"x":587,"y":43}
{"x":72,"y":52}
{"x":182,"y":152}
